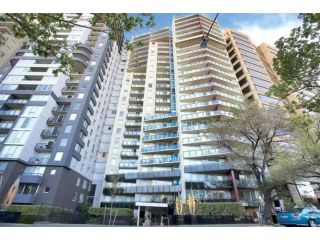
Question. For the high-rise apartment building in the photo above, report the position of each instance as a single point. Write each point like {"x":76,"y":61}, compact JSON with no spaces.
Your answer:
{"x":173,"y":92}
{"x":253,"y":68}
{"x":51,"y":126}
{"x":10,"y":43}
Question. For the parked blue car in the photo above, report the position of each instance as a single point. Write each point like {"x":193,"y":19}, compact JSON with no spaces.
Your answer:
{"x":307,"y":216}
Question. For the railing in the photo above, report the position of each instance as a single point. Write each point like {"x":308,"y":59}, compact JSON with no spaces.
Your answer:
{"x":130,"y":143}
{"x":17,"y":101}
{"x":132,"y":133}
{"x":205,"y":114}
{"x":129,"y":154}
{"x":204,"y":152}
{"x":10,"y":112}
{"x":6,"y":125}
{"x":160,"y":116}
{"x":136,"y":124}
{"x":159,"y":136}
{"x":209,"y":84}
{"x":44,"y":146}
{"x":160,"y":126}
{"x":156,"y":148}
{"x":38,"y":161}
{"x":209,"y":93}
{"x":162,"y":160}
{"x":60,"y":109}
{"x":50,"y":132}
{"x":207,"y":103}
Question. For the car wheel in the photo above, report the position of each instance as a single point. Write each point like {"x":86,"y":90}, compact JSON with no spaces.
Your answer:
{"x":312,"y":223}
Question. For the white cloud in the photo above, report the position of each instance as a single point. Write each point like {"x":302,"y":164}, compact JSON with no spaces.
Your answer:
{"x":269,"y":28}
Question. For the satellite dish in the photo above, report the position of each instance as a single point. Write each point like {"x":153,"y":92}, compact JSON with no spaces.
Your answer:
{"x":11,"y":194}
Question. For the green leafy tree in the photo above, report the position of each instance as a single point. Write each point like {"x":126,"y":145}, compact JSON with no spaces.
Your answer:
{"x":303,"y":161}
{"x":298,"y":62}
{"x":251,"y":138}
{"x":42,"y":28}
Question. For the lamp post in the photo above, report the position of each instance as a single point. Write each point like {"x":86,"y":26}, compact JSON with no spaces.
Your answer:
{"x":204,"y":41}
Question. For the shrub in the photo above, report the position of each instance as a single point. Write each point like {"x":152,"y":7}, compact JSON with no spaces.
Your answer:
{"x":100,"y":211}
{"x":218,"y":209}
{"x":35,"y":209}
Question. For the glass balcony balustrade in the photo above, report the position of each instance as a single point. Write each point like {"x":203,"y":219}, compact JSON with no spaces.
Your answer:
{"x":160,"y":160}
{"x":132,"y":133}
{"x":160,"y":116}
{"x":207,"y":103}
{"x":156,"y":148}
{"x":128,"y":154}
{"x":204,"y":152}
{"x":210,"y":84}
{"x":10,"y":112}
{"x":206,"y":114}
{"x":151,"y":137}
{"x":208,"y":76}
{"x":160,"y":126}
{"x":210,"y":93}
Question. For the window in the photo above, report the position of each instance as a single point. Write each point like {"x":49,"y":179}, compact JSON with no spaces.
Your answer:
{"x":39,"y":98}
{"x":78,"y":182}
{"x":93,"y":63}
{"x":260,"y":81}
{"x":104,"y":154}
{"x":150,"y":85}
{"x":3,"y":166}
{"x":118,"y":130}
{"x":80,"y":95}
{"x":68,"y":129}
{"x":4,"y":96}
{"x":74,"y":197}
{"x":53,"y":172}
{"x":81,"y":198}
{"x":10,"y":151}
{"x":269,"y":99}
{"x":19,"y":137}
{"x":32,"y":111}
{"x":87,"y":78}
{"x":44,"y":88}
{"x":46,"y":189}
{"x":84,"y":185}
{"x":58,"y":156}
{"x":25,"y":122}
{"x":63,"y":142}
{"x":8,"y":87}
{"x":34,"y":170}
{"x":73,"y":117}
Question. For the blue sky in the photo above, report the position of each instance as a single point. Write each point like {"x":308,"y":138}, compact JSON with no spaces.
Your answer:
{"x":261,"y":27}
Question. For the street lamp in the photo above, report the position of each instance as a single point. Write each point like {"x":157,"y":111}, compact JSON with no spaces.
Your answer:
{"x":204,"y":41}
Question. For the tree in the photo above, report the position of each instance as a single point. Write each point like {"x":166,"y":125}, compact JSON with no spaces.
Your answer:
{"x":303,"y":161}
{"x":298,"y":64}
{"x":42,"y":28}
{"x":251,"y":138}
{"x":114,"y":190}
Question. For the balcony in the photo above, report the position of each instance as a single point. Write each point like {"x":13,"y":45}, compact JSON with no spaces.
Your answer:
{"x":153,"y":189}
{"x":246,"y":184}
{"x":9,"y":114}
{"x":69,"y":90}
{"x":55,"y":121}
{"x":205,"y":153}
{"x":168,"y":148}
{"x":131,"y":133}
{"x":135,"y":108}
{"x":44,"y":147}
{"x":163,"y":161}
{"x":31,"y":178}
{"x":134,"y":115}
{"x":49,"y":133}
{"x":128,"y":165}
{"x":201,"y":115}
{"x":38,"y":161}
{"x":139,"y":93}
{"x":161,"y":126}
{"x":60,"y":109}
{"x":156,"y":137}
{"x":207,"y":105}
{"x":5,"y":126}
{"x":174,"y":173}
{"x":135,"y":100}
{"x":209,"y":95}
{"x":209,"y":184}
{"x":16,"y":102}
{"x":130,"y":143}
{"x":24,"y":199}
{"x":129,"y":154}
{"x":213,"y":167}
{"x":208,"y":86}
{"x":195,"y":128}
{"x":162,"y":117}
{"x":133,"y":124}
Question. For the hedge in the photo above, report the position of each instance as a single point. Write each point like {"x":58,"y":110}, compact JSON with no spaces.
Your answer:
{"x":100,"y":211}
{"x":35,"y":209}
{"x":217,"y":209}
